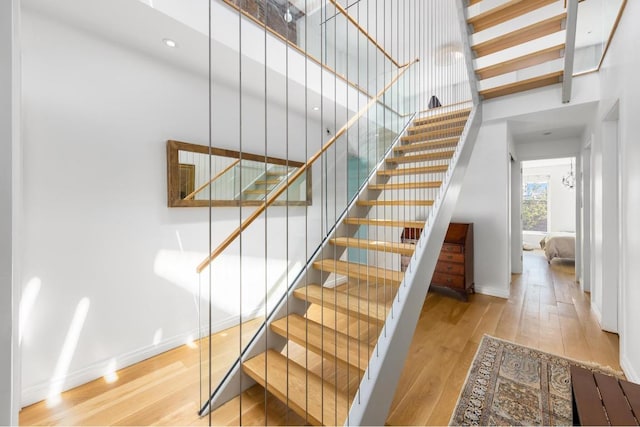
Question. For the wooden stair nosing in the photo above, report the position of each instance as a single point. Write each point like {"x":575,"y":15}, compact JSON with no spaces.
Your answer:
{"x":419,"y":137}
{"x":359,"y":271}
{"x":394,"y":203}
{"x":521,"y":86}
{"x":442,"y":116}
{"x":323,"y":341}
{"x":525,"y":61}
{"x":342,"y":302}
{"x":410,"y":171}
{"x":384,"y":222}
{"x":304,"y":392}
{"x":405,"y":185}
{"x":374,"y":245}
{"x":435,"y":125}
{"x":504,"y":13}
{"x":429,"y":145}
{"x":438,"y":155}
{"x":520,"y":36}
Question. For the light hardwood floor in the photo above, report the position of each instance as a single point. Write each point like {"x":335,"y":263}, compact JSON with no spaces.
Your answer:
{"x":546,"y":310}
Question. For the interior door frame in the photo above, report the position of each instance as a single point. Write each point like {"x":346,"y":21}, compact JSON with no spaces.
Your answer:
{"x":612,"y":253}
{"x":578,"y":219}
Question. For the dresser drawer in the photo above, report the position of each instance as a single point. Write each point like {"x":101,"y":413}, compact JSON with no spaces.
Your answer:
{"x":450,"y":268}
{"x":448,"y":280}
{"x":451,"y":257}
{"x":449,"y":248}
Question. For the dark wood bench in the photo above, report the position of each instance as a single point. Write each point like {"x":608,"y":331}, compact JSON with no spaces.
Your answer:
{"x":600,"y":399}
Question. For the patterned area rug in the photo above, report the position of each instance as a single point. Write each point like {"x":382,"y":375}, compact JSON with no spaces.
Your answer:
{"x":509,"y":384}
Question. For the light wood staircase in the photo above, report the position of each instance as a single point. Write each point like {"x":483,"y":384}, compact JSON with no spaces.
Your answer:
{"x":328,"y":349}
{"x":518,"y":44}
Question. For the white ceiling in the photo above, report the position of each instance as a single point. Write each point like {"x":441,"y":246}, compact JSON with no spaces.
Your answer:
{"x":136,"y":26}
{"x":563,"y":123}
{"x":564,"y":161}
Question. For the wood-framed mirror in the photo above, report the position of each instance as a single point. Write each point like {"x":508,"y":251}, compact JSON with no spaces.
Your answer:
{"x":233,"y":180}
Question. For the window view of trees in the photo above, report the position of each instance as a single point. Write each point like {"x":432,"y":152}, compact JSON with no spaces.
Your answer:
{"x":534,"y":205}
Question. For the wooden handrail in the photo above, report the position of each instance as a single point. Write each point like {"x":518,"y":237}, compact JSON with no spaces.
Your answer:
{"x":272,"y":198}
{"x":351,"y":19}
{"x":218,"y":175}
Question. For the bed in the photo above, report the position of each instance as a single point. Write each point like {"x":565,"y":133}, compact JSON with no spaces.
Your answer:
{"x":559,"y":245}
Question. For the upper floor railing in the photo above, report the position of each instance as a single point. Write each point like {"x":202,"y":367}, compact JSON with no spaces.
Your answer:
{"x":328,"y":34}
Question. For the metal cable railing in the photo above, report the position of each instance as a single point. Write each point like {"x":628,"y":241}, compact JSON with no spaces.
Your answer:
{"x":321,"y":291}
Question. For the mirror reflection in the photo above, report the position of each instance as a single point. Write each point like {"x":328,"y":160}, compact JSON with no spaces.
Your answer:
{"x":200,"y":177}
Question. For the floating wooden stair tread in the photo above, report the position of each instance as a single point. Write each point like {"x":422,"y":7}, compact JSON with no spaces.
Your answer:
{"x":305,"y":393}
{"x":323,"y":341}
{"x":392,"y":247}
{"x":519,"y":63}
{"x":505,"y":12}
{"x":342,"y":302}
{"x":360,"y":271}
{"x":438,"y":155}
{"x":262,"y":192}
{"x":405,"y":185}
{"x":413,"y":171}
{"x":422,"y":136}
{"x":523,"y":35}
{"x":422,"y":146}
{"x":521,"y":86}
{"x":384,"y":222}
{"x":442,"y":116}
{"x":394,"y":202}
{"x":458,"y":121}
{"x":267,"y":181}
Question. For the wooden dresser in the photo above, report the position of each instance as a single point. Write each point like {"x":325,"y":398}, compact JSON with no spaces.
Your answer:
{"x":454,"y":270}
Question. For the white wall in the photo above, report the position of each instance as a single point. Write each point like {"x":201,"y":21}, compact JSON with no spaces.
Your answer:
{"x":585,"y":218}
{"x":484,"y":200}
{"x":9,"y":125}
{"x":103,"y":249}
{"x":618,"y":80}
{"x":515,"y":189}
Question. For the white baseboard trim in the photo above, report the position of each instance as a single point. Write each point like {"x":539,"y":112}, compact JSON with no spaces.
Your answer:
{"x":39,"y":392}
{"x":629,"y":370}
{"x":493,"y":291}
{"x":336,"y":282}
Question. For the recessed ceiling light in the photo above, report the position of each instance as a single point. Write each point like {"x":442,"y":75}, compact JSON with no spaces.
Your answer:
{"x":316,"y":108}
{"x":547,"y":133}
{"x":170,"y":43}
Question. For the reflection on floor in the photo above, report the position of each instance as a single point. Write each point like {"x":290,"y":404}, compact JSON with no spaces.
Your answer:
{"x":546,"y":310}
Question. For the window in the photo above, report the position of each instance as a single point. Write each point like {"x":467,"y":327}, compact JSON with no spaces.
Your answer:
{"x":535,"y":203}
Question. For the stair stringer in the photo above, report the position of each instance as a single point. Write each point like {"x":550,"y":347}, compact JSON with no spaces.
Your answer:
{"x":373,"y":399}
{"x":236,"y":381}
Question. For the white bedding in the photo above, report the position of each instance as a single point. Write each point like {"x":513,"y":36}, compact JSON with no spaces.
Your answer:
{"x":559,"y":245}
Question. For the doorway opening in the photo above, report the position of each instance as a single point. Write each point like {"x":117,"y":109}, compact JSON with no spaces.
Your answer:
{"x":548,"y":208}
